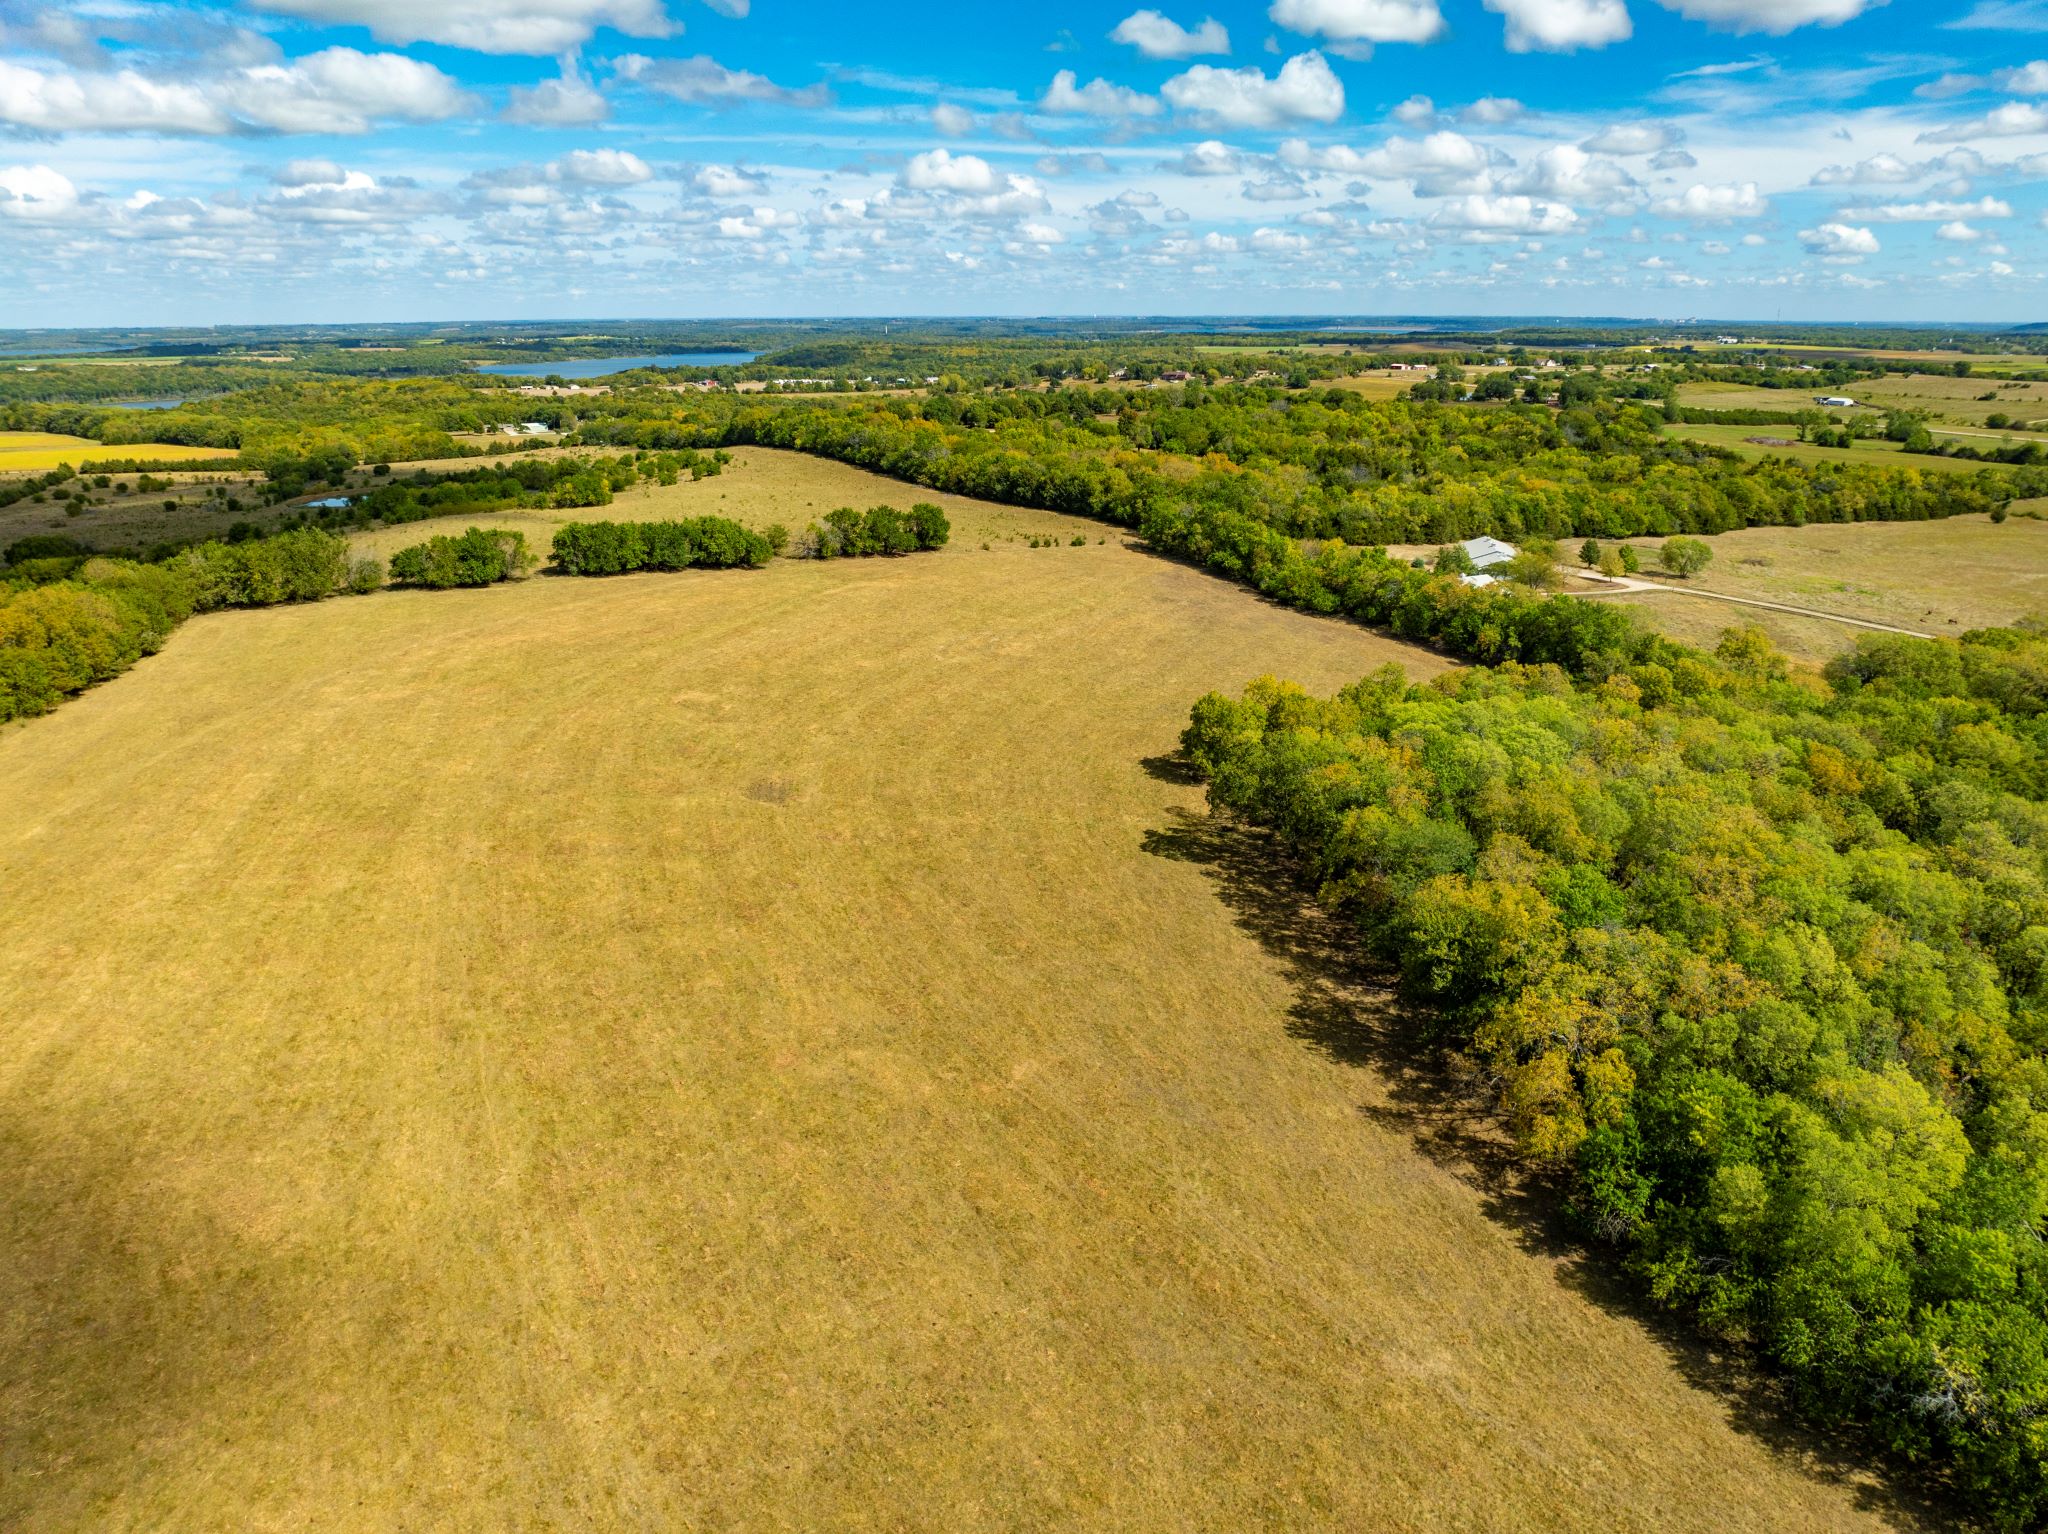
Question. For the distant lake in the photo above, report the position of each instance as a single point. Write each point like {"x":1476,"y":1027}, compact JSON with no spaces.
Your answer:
{"x":60,"y":349}
{"x":601,"y":367}
{"x":144,"y":404}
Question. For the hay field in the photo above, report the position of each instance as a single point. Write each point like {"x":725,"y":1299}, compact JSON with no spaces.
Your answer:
{"x":765,"y":1050}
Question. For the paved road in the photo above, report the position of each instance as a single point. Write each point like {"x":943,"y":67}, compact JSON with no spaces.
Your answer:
{"x":1618,"y":584}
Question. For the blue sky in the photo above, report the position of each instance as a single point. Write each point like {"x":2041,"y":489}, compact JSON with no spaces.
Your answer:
{"x":285,"y":160}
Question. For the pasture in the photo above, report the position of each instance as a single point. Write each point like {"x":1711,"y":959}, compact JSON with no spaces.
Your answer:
{"x":1873,"y":452}
{"x":778,"y":1050}
{"x":123,"y":517}
{"x":1942,"y":577}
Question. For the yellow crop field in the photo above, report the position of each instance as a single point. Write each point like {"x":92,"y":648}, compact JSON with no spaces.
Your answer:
{"x":772,"y":1050}
{"x":35,"y":452}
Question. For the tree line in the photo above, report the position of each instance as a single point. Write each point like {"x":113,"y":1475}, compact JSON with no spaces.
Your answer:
{"x":1757,"y":971}
{"x":67,"y":622}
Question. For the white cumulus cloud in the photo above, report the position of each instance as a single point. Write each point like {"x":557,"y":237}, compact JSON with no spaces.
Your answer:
{"x":1098,"y":98}
{"x":1838,"y":240}
{"x":1632,"y":138}
{"x":1305,"y":90}
{"x":487,"y":26}
{"x":1562,"y":26}
{"x":1504,"y":215}
{"x":703,"y":81}
{"x":938,"y":170}
{"x":1211,"y":157}
{"x":1931,"y":212}
{"x":337,"y":90}
{"x":1361,"y":21}
{"x":2013,"y":120}
{"x":1775,"y":17}
{"x":1160,"y":37}
{"x":35,"y":191}
{"x":728,"y":181}
{"x":601,"y":167}
{"x":568,"y":102}
{"x":1729,"y":200}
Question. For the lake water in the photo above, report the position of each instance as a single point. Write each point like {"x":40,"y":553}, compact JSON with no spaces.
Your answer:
{"x":144,"y":404}
{"x":602,"y":367}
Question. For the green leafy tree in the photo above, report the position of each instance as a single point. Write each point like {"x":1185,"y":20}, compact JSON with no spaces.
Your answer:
{"x":1684,"y":557}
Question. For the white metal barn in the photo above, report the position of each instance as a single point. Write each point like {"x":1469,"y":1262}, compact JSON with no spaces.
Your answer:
{"x":1485,"y":553}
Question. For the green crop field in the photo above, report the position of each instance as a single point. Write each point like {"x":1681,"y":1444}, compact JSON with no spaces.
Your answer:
{"x":775,"y":1050}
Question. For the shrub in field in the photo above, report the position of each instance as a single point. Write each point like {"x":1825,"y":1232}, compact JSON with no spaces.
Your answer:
{"x":930,"y":524}
{"x":478,"y":557}
{"x":1685,"y":557}
{"x":365,"y":574}
{"x":303,"y":565}
{"x":848,"y":533}
{"x":689,"y":543}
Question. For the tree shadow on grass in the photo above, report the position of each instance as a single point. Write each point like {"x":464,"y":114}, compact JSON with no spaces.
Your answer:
{"x":115,"y":1344}
{"x":1346,"y":1008}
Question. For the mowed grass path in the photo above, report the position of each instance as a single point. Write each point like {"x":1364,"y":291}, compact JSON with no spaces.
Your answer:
{"x":727,"y":1051}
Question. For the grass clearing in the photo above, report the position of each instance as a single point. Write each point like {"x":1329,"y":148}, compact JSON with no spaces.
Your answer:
{"x":754,"y":1050}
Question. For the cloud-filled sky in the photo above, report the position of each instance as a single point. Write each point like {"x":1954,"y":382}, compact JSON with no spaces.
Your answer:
{"x":279,"y":160}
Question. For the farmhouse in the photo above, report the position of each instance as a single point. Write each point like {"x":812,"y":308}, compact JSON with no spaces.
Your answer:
{"x":1841,"y":401}
{"x":1479,"y":580}
{"x":1485,"y":553}
{"x":528,"y":429}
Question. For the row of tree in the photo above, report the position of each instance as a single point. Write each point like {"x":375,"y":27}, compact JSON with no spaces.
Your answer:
{"x":67,"y":621}
{"x":847,"y":533}
{"x":477,"y":557}
{"x":704,"y":543}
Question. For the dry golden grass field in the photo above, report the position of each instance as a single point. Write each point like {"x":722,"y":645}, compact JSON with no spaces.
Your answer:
{"x":762,"y":1050}
{"x":1941,"y":577}
{"x":762,"y":485}
{"x":1697,"y":620}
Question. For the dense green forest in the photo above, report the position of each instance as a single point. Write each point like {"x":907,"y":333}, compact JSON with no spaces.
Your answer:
{"x":1330,"y":464}
{"x":1757,"y":967}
